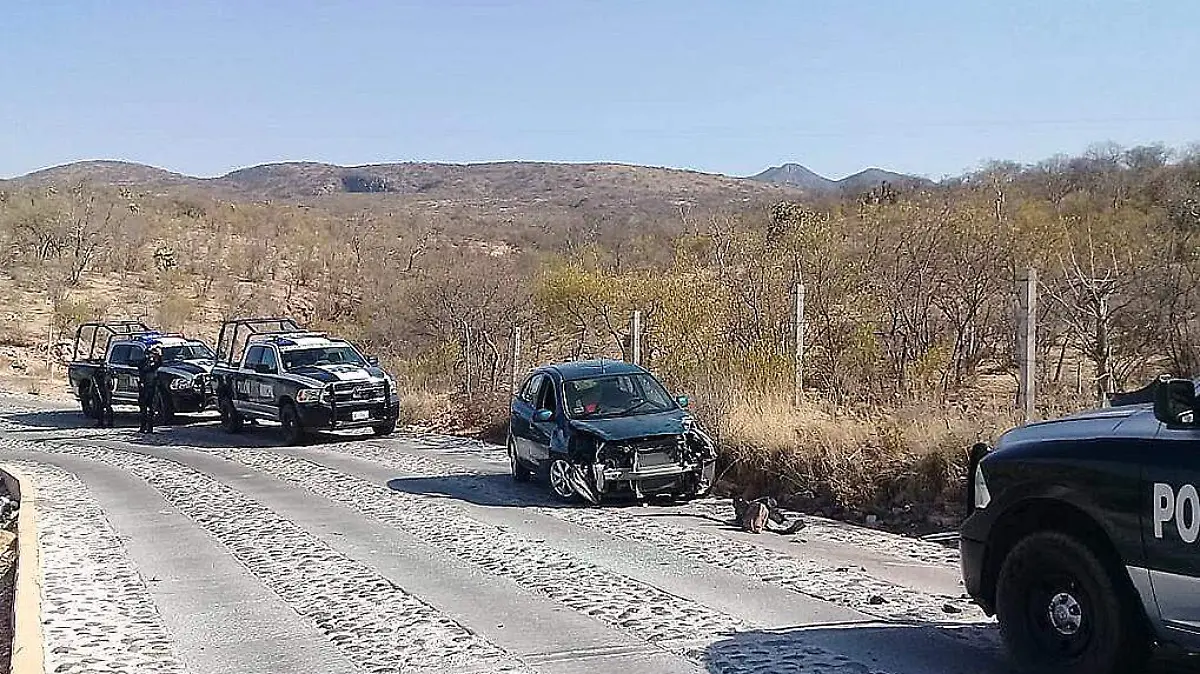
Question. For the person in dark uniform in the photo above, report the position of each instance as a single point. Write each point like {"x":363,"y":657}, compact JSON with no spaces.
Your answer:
{"x":102,"y":394}
{"x":147,"y":384}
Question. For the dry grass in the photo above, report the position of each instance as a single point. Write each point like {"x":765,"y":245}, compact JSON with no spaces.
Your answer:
{"x":423,"y":408}
{"x":906,"y":464}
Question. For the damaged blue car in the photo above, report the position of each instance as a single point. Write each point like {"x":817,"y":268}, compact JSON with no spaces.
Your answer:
{"x":600,"y":428}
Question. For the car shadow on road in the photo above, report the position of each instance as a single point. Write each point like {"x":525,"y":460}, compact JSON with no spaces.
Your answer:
{"x":499,"y":490}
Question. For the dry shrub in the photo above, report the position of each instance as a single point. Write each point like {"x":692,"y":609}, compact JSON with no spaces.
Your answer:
{"x":423,"y":408}
{"x":903,"y":465}
{"x":15,"y":332}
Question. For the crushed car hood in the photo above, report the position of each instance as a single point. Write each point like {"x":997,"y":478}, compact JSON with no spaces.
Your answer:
{"x":637,"y":426}
{"x":338,"y":373}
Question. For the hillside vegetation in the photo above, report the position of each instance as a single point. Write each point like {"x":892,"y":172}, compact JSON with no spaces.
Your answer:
{"x":909,"y":291}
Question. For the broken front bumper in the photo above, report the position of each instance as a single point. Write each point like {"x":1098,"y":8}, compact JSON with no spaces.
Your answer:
{"x":592,"y":481}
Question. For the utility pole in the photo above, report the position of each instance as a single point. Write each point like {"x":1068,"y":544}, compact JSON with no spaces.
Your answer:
{"x":637,"y":337}
{"x":1027,"y":344}
{"x":799,"y":354}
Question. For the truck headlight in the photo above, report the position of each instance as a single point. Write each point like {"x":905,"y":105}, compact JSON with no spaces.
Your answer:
{"x":308,"y":395}
{"x":982,"y":496}
{"x":179,"y":383}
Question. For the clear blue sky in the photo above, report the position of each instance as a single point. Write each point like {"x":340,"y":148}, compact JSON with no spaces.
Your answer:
{"x":731,"y":86}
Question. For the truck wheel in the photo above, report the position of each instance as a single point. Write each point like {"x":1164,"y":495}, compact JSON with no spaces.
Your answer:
{"x":1060,"y":610}
{"x":289,"y":418}
{"x":384,"y":429}
{"x":519,"y":472}
{"x":164,"y":409}
{"x":231,"y":421}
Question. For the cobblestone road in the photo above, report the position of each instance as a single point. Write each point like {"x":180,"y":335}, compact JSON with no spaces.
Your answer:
{"x":194,"y":551}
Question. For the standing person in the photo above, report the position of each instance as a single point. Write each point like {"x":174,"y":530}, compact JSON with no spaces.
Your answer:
{"x":102,"y":394}
{"x":147,"y":385}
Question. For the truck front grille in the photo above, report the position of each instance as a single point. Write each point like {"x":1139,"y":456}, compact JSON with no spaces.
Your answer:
{"x":358,"y":392}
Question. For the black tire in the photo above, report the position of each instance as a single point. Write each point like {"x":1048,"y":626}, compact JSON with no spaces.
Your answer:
{"x":385,"y":428}
{"x":231,"y":421}
{"x":519,"y":472}
{"x":87,"y":402}
{"x":289,"y":420}
{"x":1061,"y":610}
{"x":164,"y":408}
{"x":554,"y":475}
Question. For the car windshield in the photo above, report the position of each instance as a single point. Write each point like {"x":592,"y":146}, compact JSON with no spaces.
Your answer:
{"x":189,"y":351}
{"x":616,"y":396}
{"x":334,"y":354}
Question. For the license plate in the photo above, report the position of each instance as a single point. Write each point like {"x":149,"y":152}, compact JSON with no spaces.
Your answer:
{"x":359,"y":415}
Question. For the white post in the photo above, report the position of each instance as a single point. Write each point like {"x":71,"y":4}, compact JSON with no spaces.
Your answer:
{"x":1027,"y":344}
{"x":467,"y":358}
{"x":516,"y":360}
{"x":799,"y":355}
{"x":637,"y":337}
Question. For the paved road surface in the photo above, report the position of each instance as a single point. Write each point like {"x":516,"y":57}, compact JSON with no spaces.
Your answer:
{"x":195,"y":551}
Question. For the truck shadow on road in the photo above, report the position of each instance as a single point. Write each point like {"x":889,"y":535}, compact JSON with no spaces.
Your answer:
{"x":874,"y":647}
{"x":58,"y":420}
{"x":861,"y":648}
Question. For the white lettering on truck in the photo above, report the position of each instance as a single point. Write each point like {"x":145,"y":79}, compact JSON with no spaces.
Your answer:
{"x":1183,"y":507}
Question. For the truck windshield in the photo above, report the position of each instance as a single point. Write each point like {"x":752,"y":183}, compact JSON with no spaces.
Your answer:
{"x":190,"y":351}
{"x":616,"y":396}
{"x":336,"y":354}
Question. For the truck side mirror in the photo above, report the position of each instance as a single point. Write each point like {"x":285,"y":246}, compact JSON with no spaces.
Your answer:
{"x":543,"y":415}
{"x":683,"y":401}
{"x":373,"y":361}
{"x":1175,"y":401}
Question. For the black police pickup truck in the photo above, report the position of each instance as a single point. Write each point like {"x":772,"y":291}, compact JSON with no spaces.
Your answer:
{"x":270,"y":368}
{"x":1083,"y":531}
{"x":185,"y":384}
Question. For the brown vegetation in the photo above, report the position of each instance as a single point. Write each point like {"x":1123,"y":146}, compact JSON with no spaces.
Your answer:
{"x":909,"y":291}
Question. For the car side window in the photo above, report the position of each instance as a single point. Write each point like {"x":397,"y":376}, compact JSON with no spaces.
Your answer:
{"x":137,"y":353}
{"x":269,"y":359}
{"x":120,"y":355}
{"x":547,"y":400}
{"x":253,"y":357}
{"x":530,"y":391}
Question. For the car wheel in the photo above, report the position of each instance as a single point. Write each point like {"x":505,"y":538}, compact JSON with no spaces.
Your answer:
{"x":384,"y":429}
{"x":164,"y":409}
{"x":1060,"y":610}
{"x":519,"y":472}
{"x":231,"y":421}
{"x":560,"y":480}
{"x":289,"y":418}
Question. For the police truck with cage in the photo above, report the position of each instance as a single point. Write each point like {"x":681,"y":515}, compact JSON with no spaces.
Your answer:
{"x":272,"y":369}
{"x":185,"y":383}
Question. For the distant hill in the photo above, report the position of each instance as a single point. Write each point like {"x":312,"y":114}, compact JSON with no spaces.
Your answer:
{"x":524,"y":182}
{"x":801,"y":177}
{"x":797,"y":176}
{"x":871,"y":178}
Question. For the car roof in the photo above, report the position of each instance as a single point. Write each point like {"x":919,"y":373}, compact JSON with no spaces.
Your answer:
{"x":579,"y":369}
